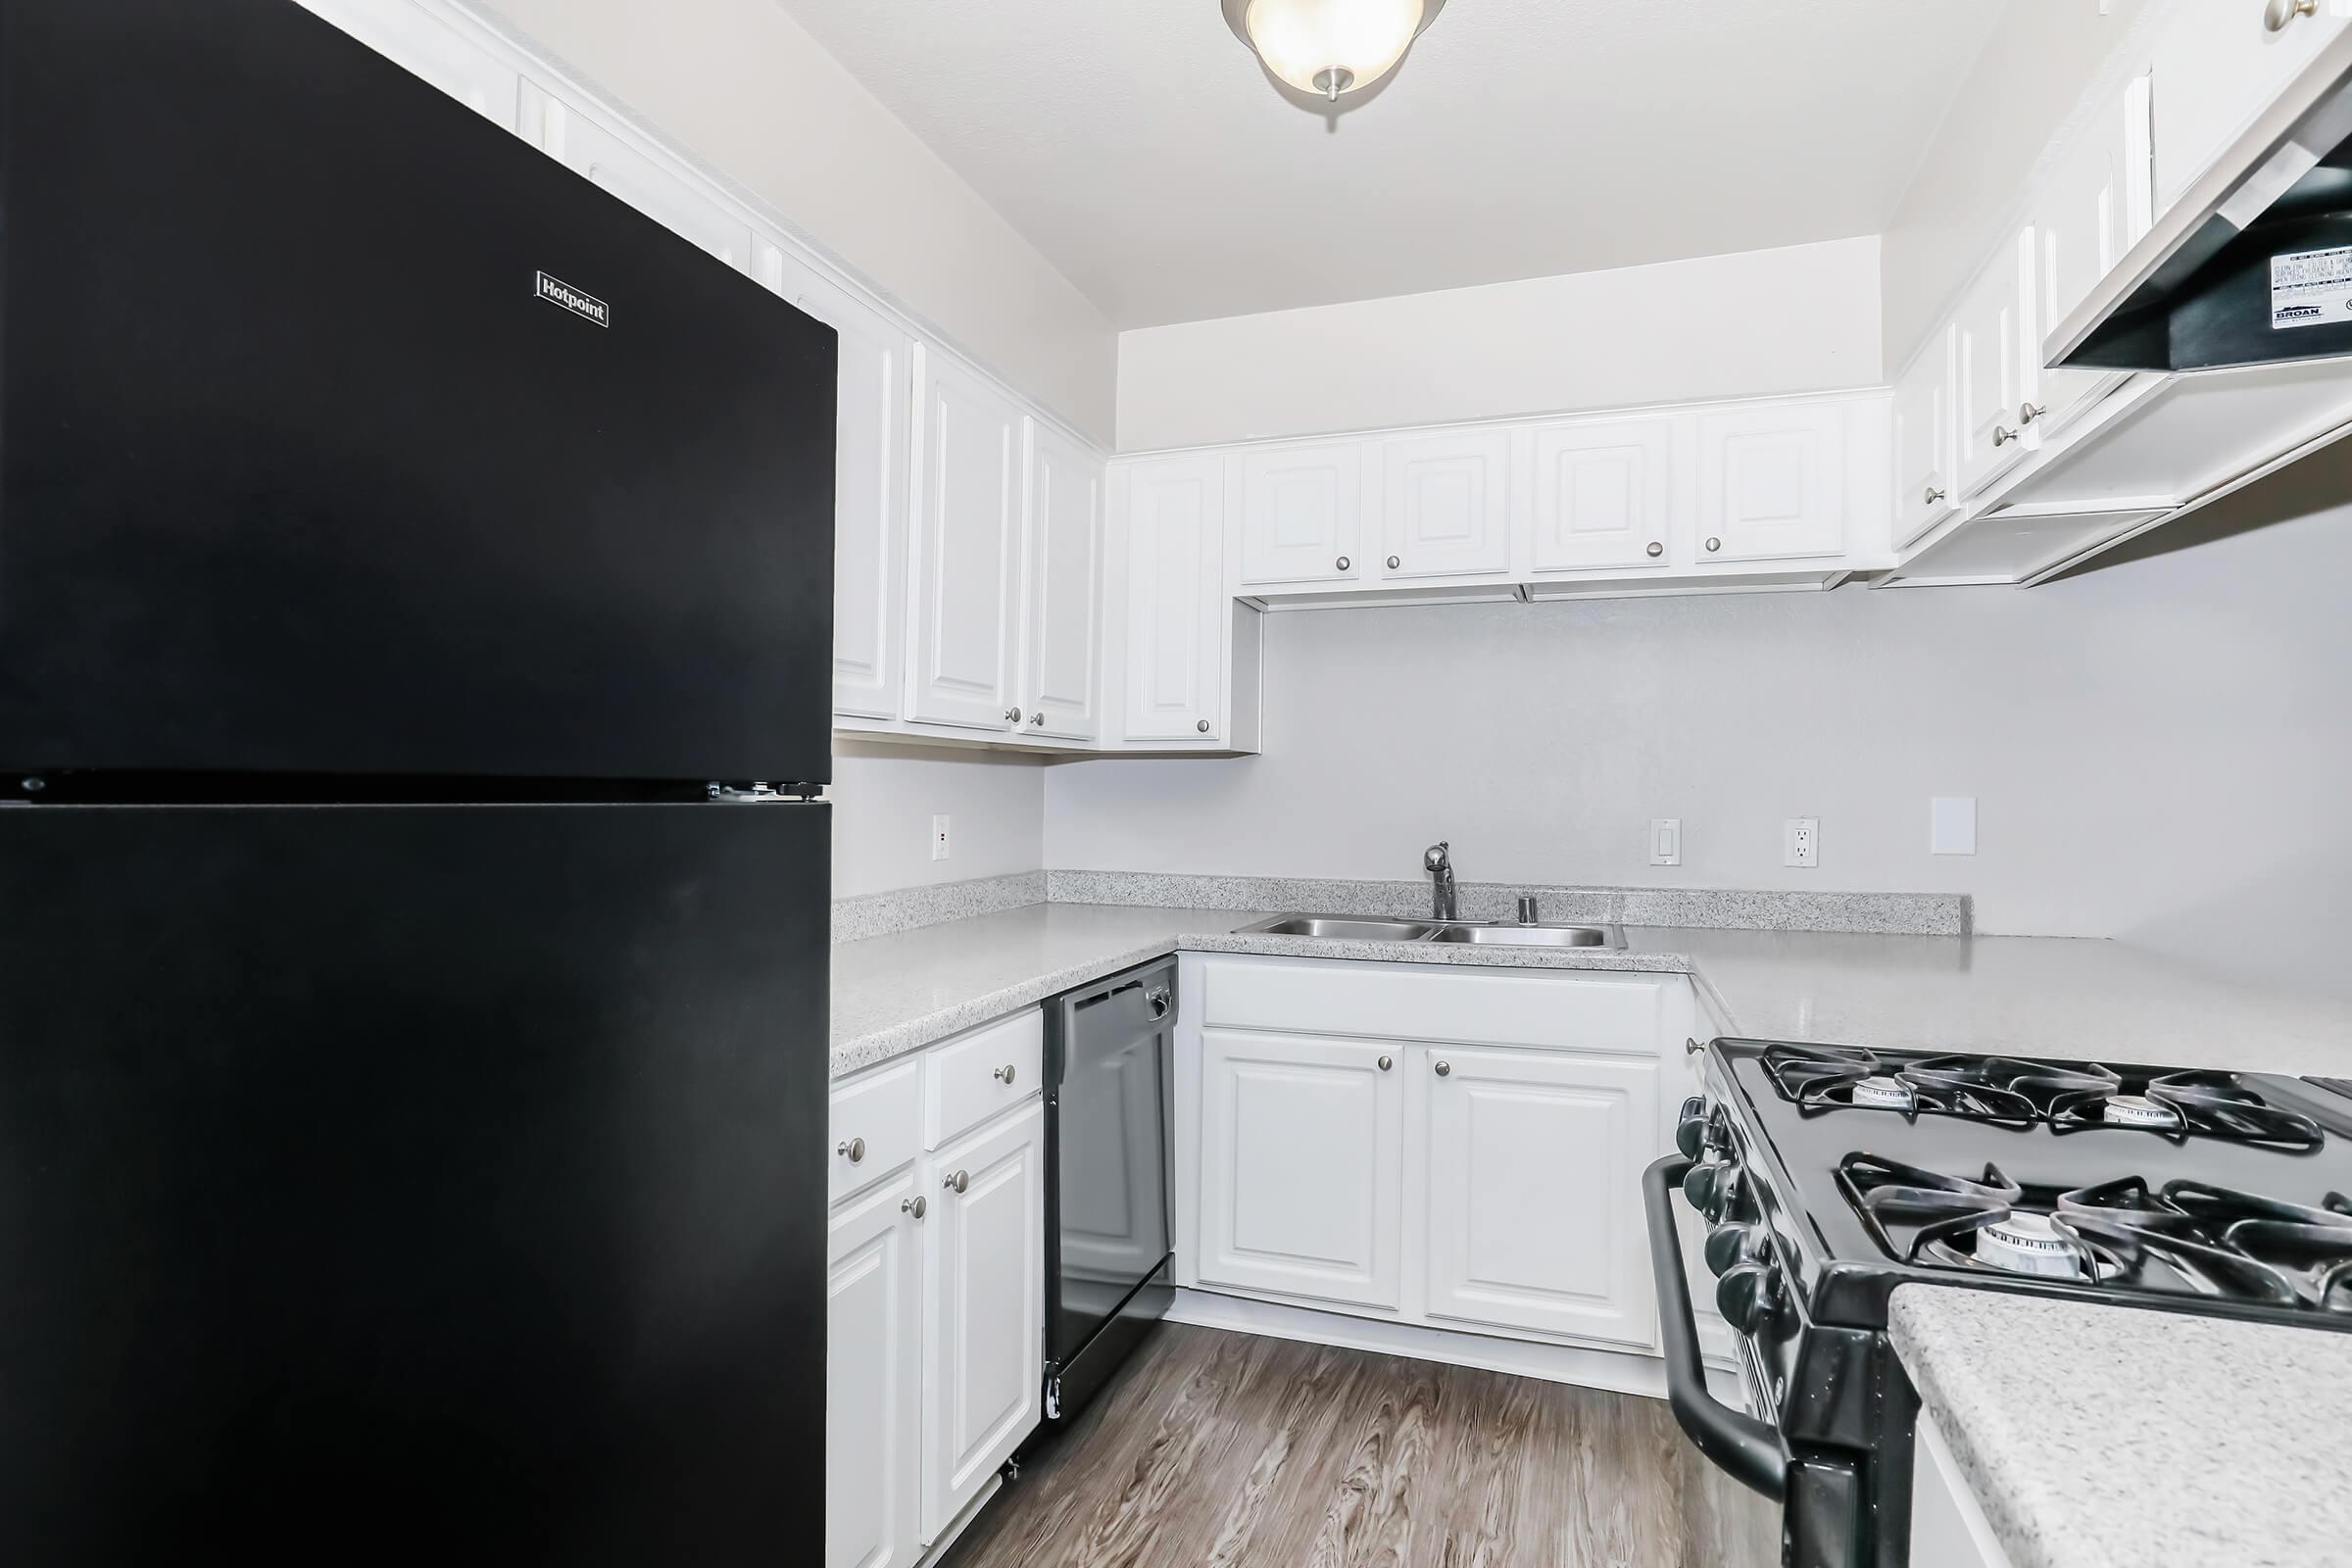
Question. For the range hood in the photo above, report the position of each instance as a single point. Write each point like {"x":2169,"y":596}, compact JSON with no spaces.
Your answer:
{"x":2253,"y":263}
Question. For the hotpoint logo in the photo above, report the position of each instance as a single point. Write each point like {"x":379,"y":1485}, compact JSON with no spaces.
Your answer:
{"x":587,"y":307}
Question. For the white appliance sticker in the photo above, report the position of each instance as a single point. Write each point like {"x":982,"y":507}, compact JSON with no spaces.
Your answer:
{"x":2311,"y":288}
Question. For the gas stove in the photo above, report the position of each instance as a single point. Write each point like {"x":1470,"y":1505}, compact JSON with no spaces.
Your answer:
{"x":1829,"y":1175}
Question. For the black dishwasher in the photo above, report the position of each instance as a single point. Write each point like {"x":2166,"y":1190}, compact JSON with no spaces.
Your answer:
{"x":1107,"y":1073}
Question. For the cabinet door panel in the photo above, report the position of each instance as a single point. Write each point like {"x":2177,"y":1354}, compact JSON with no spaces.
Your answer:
{"x":579,"y":142}
{"x":869,"y":488}
{"x":2216,"y":66}
{"x":1176,"y":603}
{"x":968,"y":532}
{"x":1534,"y":1160}
{"x":1771,"y":483}
{"x":1299,"y":513}
{"x":1925,"y":489}
{"x":2094,"y":209}
{"x":1994,"y":377}
{"x":1446,"y":504}
{"x":873,"y":1398}
{"x":1603,"y":494}
{"x":1300,"y":1168}
{"x":431,"y":49}
{"x":1062,"y":639}
{"x":984,"y":1329}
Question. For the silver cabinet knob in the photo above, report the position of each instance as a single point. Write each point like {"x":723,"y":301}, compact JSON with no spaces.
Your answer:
{"x":2028,"y":413}
{"x":1714,"y":545}
{"x":2278,"y":13}
{"x":1394,"y":562}
{"x":1342,"y":563}
{"x":917,"y":1206}
{"x":1203,"y":726}
{"x":2001,"y":437}
{"x":1003,"y":1074}
{"x":962,"y":1181}
{"x":1445,"y":1069}
{"x":1012,"y":715}
{"x":852,"y":1147}
{"x":1934,"y":495}
{"x":1386,"y":1062}
{"x":1038,"y":719}
{"x":1656,"y":549}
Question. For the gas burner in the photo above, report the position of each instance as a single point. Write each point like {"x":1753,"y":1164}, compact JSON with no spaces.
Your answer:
{"x":2026,"y":1242}
{"x":1883,"y":1091}
{"x":2137,"y":1110}
{"x":2183,"y":1105}
{"x":1820,"y":1078}
{"x":1968,"y":1224}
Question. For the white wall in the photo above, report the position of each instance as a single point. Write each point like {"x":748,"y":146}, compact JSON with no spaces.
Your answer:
{"x":1797,"y":319}
{"x":884,"y":798}
{"x":743,"y":86}
{"x":2013,"y":101}
{"x":2150,"y":745}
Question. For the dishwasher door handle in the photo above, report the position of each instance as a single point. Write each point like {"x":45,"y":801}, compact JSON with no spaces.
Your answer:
{"x":1749,"y":1451}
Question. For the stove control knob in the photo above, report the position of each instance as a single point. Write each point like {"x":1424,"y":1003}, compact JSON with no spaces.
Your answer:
{"x":1710,"y":1186}
{"x":1747,"y":1296}
{"x":1691,"y":1132}
{"x":1729,"y":1244}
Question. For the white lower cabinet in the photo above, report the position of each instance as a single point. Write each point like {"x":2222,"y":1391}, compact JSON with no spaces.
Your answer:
{"x":1525,"y":1150}
{"x":984,"y":1325}
{"x":934,"y":1293}
{"x":1302,"y":1180}
{"x":873,"y":1387}
{"x":1439,"y":1148}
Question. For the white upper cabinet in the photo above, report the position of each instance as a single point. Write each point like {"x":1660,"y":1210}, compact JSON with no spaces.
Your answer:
{"x":967,"y":550}
{"x":1301,"y":513}
{"x":1519,"y":1144}
{"x":2216,"y":65}
{"x":1301,"y":1167}
{"x":1445,"y":504}
{"x":431,"y":49}
{"x":1926,"y":488}
{"x":870,"y":490}
{"x":1603,"y":494}
{"x":1062,"y":641}
{"x":1176,"y":607}
{"x":1772,"y":482}
{"x":587,"y":147}
{"x":1993,"y":372}
{"x":2095,"y":208}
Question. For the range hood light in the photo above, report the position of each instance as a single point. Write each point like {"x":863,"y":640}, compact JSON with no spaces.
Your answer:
{"x":1329,"y":47}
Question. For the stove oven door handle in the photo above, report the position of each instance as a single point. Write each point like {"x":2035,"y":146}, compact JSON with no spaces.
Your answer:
{"x":1746,"y":1449}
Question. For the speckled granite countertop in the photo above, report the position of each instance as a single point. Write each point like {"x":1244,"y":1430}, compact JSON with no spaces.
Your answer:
{"x":2024,"y":994}
{"x":2110,"y":1437}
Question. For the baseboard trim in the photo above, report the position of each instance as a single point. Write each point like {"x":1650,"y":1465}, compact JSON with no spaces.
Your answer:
{"x":1613,"y":1371}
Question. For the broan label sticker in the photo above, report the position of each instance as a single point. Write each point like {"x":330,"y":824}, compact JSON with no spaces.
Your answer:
{"x":587,"y":307}
{"x":2311,"y":288}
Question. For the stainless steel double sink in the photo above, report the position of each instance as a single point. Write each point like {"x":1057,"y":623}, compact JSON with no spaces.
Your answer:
{"x":1481,"y":933}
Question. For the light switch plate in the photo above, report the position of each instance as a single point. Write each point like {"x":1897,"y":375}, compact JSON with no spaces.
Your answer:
{"x":1666,"y":841}
{"x":1952,"y":825}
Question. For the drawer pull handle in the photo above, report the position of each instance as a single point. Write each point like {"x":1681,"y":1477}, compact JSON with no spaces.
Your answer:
{"x":2001,"y":436}
{"x":1003,"y":1074}
{"x":962,"y":1181}
{"x":1656,"y":549}
{"x":1714,"y":545}
{"x":854,"y":1148}
{"x":917,"y":1206}
{"x":1394,"y":562}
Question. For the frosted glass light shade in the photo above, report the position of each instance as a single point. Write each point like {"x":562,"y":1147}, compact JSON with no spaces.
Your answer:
{"x":1331,"y":46}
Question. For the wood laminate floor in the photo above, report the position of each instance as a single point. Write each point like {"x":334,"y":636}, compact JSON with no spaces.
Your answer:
{"x":1227,"y":1450}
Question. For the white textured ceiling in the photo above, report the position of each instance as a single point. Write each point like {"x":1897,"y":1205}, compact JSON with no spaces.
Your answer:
{"x":1145,"y":152}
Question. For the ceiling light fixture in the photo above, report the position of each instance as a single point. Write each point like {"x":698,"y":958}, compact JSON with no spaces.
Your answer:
{"x":1330,"y":46}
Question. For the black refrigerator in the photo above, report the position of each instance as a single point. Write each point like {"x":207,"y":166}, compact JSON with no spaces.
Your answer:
{"x":415,"y":577}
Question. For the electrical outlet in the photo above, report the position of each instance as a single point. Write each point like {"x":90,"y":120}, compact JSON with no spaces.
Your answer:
{"x":1666,"y":841}
{"x":1800,"y":841}
{"x":939,"y":838}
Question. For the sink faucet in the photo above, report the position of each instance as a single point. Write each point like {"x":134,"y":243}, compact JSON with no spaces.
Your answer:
{"x":1444,"y":902}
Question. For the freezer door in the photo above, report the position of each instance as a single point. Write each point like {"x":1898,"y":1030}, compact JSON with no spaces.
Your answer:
{"x":304,"y":469}
{"x":413,"y":1183}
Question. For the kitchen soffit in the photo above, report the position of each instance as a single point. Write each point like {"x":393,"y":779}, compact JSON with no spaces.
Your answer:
{"x":1150,"y":157}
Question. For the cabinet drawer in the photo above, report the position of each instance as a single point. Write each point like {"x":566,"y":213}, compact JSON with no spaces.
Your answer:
{"x":879,"y":1120}
{"x":993,"y":1068}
